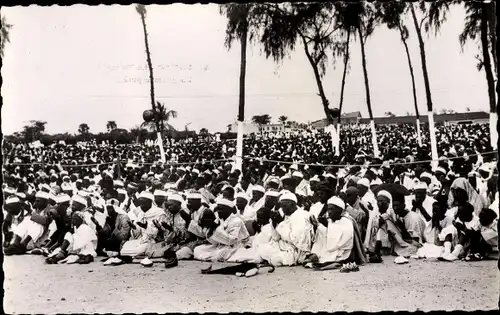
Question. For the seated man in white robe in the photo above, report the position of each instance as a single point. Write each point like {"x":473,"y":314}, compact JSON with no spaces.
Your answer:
{"x":225,"y":237}
{"x":420,"y":202}
{"x":257,"y":201}
{"x":192,"y":213}
{"x":13,"y":211}
{"x":334,"y":241}
{"x":175,"y":235}
{"x":267,"y":245}
{"x":77,"y":247}
{"x":246,"y":212}
{"x":295,"y":227}
{"x":145,"y":228}
{"x":33,"y":228}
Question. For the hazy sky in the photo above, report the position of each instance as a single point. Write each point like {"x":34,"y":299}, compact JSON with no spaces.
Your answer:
{"x":85,"y":64}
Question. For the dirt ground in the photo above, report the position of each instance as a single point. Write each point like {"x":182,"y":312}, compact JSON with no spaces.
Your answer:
{"x":31,"y":286}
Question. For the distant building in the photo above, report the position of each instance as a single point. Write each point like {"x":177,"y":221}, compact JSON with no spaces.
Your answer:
{"x":248,"y":128}
{"x":269,"y":129}
{"x":347,"y":118}
{"x":445,"y":119}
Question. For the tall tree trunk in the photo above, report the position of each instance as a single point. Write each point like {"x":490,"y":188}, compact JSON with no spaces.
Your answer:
{"x":152,"y":91}
{"x":492,"y":25}
{"x":430,"y":114}
{"x":489,"y":73}
{"x":344,"y":74}
{"x":330,"y":126}
{"x":414,"y":89}
{"x":241,"y":105}
{"x":367,"y":91}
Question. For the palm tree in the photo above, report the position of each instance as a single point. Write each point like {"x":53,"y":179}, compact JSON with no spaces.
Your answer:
{"x":282,"y":119}
{"x":392,"y":14}
{"x":360,"y":17}
{"x":111,"y":125}
{"x":261,"y":119}
{"x":83,"y":128}
{"x":161,"y":120}
{"x":434,"y":16}
{"x":313,"y":25}
{"x":5,"y":34}
{"x":141,"y":9}
{"x":477,"y":25}
{"x":240,"y":26}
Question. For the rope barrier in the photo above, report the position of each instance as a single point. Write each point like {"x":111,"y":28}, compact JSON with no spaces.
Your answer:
{"x":256,"y":158}
{"x":122,"y":161}
{"x":362,"y":165}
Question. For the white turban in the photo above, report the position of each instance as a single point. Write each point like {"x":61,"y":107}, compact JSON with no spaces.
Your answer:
{"x":243,"y":195}
{"x":42,"y":195}
{"x":288,"y":196}
{"x":146,"y":195}
{"x":80,"y":200}
{"x":225,"y":202}
{"x":194,"y":195}
{"x":364,"y":182}
{"x":159,"y":192}
{"x":176,"y":197}
{"x":259,"y":188}
{"x":336,"y":201}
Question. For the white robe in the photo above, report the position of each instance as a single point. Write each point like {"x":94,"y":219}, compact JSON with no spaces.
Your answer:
{"x":316,"y":209}
{"x":297,"y":230}
{"x":335,"y":242}
{"x":82,"y":242}
{"x":249,"y":213}
{"x":227,"y":238}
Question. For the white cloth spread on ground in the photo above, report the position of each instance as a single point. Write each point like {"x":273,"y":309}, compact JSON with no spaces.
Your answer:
{"x":335,"y":242}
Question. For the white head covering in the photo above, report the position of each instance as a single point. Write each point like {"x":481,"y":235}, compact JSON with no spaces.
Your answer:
{"x":146,"y":195}
{"x":176,"y":197}
{"x":225,"y":202}
{"x":42,"y":195}
{"x":80,"y":200}
{"x":272,"y":193}
{"x":243,"y":195}
{"x":386,"y":194}
{"x":336,"y":201}
{"x":259,"y":188}
{"x":288,"y":196}
{"x":194,"y":195}
{"x":159,"y":192}
{"x":421,"y":186}
{"x":63,"y":198}
{"x":364,"y":182}
{"x":12,"y":200}
{"x":297,"y":174}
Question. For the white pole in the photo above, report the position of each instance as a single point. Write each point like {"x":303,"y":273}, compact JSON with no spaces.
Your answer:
{"x":419,"y":134}
{"x":493,"y":130}
{"x":335,"y":139}
{"x":239,"y":145}
{"x":160,"y":144}
{"x":432,"y":132}
{"x":374,"y":138}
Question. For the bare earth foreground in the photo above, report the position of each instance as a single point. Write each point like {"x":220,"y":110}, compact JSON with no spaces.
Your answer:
{"x":31,"y":286}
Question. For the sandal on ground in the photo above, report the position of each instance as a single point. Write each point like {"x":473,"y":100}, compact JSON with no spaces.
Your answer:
{"x":349,"y":267}
{"x":375,"y":259}
{"x":474,"y":257}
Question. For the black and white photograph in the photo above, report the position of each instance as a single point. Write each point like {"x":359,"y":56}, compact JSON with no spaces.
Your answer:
{"x":250,"y":157}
